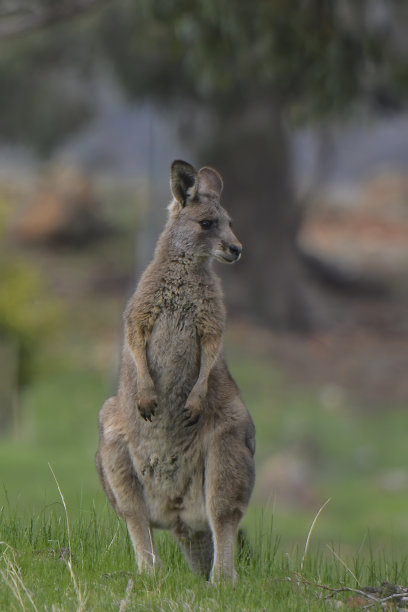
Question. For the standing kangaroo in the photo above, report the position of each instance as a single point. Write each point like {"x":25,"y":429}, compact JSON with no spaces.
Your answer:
{"x":177,"y":443}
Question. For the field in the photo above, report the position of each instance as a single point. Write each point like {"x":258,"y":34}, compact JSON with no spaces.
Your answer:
{"x":62,"y":548}
{"x":360,"y":537}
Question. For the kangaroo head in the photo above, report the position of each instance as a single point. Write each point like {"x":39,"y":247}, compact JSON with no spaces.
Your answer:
{"x":199,"y":224}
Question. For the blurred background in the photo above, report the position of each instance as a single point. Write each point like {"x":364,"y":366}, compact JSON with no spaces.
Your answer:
{"x":302,"y":107}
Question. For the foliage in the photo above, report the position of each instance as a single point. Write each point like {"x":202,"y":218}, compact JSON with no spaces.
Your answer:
{"x":317,"y":54}
{"x":313,"y":58}
{"x":233,"y":53}
{"x":28,"y":313}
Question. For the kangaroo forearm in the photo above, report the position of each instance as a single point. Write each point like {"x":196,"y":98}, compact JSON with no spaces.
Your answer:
{"x":146,"y":400}
{"x":137,"y":340}
{"x":143,"y":374}
{"x":196,"y":401}
{"x":210,"y":348}
{"x":140,"y":319}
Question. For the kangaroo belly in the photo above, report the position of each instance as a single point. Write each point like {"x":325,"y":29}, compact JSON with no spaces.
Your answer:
{"x":172,"y":477}
{"x":173,"y":355}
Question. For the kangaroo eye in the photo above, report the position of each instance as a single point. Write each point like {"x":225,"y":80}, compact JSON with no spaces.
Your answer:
{"x":206,"y":223}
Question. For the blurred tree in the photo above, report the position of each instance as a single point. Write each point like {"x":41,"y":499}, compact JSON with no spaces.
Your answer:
{"x":28,"y":314}
{"x":44,"y":71}
{"x":24,"y":16}
{"x":246,"y":71}
{"x":239,"y":73}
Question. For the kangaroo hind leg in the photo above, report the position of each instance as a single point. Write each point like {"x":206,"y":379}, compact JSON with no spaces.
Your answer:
{"x":197,"y":547}
{"x":229,"y":482}
{"x":122,"y":486}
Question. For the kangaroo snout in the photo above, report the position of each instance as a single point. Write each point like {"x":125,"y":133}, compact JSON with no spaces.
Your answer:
{"x":235,"y":250}
{"x":230,"y":252}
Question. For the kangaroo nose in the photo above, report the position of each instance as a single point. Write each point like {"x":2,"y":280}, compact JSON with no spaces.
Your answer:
{"x":236,"y":250}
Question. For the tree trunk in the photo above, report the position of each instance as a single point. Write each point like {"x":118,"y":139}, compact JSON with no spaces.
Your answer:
{"x":251,"y":151}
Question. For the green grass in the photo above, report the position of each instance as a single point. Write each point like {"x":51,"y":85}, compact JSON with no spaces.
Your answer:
{"x":59,"y":427}
{"x":360,"y":537}
{"x":354,"y":452}
{"x":45,"y":566}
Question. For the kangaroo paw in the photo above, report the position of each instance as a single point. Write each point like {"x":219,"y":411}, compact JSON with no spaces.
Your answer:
{"x":193,"y":409}
{"x":147,"y":404}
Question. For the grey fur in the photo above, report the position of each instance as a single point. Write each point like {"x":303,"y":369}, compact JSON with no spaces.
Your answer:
{"x":177,"y":443}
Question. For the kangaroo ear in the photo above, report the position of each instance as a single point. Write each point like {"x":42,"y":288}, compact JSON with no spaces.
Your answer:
{"x":183,"y":181}
{"x":210,"y":180}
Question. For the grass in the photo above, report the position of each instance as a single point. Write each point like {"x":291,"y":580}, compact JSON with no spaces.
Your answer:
{"x":355,"y":454}
{"x":36,"y":572}
{"x":59,"y":427}
{"x":359,"y":538}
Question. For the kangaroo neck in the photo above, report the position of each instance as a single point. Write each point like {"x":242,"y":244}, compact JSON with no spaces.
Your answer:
{"x":168,"y":255}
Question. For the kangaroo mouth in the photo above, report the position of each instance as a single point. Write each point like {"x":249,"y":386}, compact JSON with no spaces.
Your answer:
{"x":226,"y":257}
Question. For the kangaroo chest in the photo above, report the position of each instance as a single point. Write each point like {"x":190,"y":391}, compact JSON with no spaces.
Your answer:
{"x":173,"y":349}
{"x":168,"y":457}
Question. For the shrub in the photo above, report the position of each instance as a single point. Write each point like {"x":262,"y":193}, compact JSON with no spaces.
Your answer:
{"x":28,"y":312}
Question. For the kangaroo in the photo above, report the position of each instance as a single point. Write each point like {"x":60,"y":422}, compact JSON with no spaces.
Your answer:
{"x":176,"y":442}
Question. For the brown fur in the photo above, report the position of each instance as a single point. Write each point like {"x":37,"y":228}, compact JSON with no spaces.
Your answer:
{"x":177,"y":443}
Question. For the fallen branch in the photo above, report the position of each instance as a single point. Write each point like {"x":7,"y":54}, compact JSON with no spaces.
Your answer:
{"x":400,"y":593}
